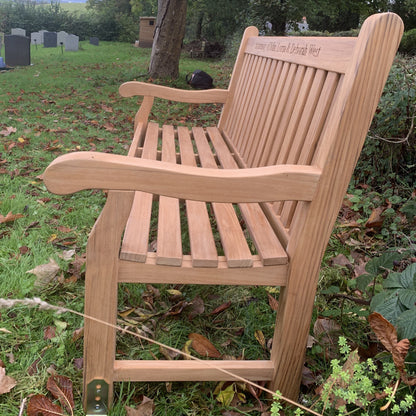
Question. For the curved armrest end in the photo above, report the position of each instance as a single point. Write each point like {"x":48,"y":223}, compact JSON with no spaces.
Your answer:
{"x":136,"y":88}
{"x":88,"y":170}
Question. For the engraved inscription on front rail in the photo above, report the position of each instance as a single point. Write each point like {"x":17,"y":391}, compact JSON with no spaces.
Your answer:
{"x":290,"y":48}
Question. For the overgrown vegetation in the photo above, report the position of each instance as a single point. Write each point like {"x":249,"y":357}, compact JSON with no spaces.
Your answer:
{"x":69,"y":101}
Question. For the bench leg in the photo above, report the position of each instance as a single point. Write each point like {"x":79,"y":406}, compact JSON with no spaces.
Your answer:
{"x":101,"y":302}
{"x":292,"y":328}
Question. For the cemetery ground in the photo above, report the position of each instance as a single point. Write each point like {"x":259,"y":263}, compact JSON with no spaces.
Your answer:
{"x":69,"y":101}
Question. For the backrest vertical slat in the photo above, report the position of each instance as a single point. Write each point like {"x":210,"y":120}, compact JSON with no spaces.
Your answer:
{"x":256,"y":129}
{"x":255,"y":104}
{"x":233,"y":120}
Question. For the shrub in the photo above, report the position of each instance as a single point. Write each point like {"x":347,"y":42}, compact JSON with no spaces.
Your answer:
{"x":388,"y":157}
{"x":408,"y":43}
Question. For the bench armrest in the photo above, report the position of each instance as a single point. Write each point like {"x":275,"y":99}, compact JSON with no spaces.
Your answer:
{"x":91,"y":170}
{"x":133,"y":88}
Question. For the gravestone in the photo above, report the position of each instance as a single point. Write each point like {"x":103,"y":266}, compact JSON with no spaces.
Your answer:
{"x":18,"y":32}
{"x":71,"y":43}
{"x":94,"y":41}
{"x":42,"y":32}
{"x":17,"y":50}
{"x":50,"y":40}
{"x":61,"y":36}
{"x":36,"y":38}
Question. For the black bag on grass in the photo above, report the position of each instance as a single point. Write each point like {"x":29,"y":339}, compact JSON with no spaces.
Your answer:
{"x":199,"y":80}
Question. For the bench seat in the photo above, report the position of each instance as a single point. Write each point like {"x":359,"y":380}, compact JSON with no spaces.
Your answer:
{"x":219,"y":234}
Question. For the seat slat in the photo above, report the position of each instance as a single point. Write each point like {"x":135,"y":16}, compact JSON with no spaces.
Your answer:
{"x":233,"y":240}
{"x":136,"y":236}
{"x":169,"y":238}
{"x":203,"y":250}
{"x":268,"y":245}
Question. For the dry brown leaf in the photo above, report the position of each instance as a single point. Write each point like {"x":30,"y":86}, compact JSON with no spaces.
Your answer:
{"x":221,"y":308}
{"x":8,"y":131}
{"x":10,"y":217}
{"x":197,"y":308}
{"x":45,"y":273}
{"x":376,"y":218}
{"x":61,"y":389}
{"x":41,"y":405}
{"x":387,"y":335}
{"x":203,"y":347}
{"x":260,"y":338}
{"x":145,"y":408}
{"x":6,"y":382}
{"x":274,"y":304}
{"x":384,"y":330}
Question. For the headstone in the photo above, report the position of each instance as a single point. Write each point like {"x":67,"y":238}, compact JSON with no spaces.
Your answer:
{"x":36,"y":38}
{"x":71,"y":43}
{"x":61,"y":36}
{"x":94,"y":41}
{"x":18,"y":32}
{"x":50,"y":39}
{"x":42,"y":32}
{"x":17,"y":50}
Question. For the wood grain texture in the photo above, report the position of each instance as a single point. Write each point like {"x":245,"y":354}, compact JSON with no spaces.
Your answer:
{"x":294,"y":120}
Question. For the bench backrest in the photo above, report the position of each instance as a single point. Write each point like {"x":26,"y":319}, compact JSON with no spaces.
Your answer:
{"x":309,"y":101}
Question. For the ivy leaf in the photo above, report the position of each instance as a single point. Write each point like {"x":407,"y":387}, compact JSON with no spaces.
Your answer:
{"x":41,"y":405}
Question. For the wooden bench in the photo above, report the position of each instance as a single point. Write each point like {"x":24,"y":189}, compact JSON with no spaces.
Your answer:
{"x":274,"y":172}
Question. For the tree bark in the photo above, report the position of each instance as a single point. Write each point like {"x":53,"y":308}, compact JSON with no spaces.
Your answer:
{"x":168,"y":37}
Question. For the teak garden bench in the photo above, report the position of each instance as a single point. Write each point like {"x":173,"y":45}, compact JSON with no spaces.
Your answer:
{"x":294,"y":120}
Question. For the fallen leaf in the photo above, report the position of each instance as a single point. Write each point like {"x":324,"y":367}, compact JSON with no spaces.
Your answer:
{"x":376,"y":218}
{"x":79,"y":363}
{"x":6,"y":382}
{"x":77,"y":334}
{"x":61,"y":389}
{"x":49,"y":332}
{"x":67,"y":255}
{"x":221,"y":308}
{"x":41,"y":405}
{"x":273,"y":302}
{"x":387,"y":335}
{"x":10,"y":217}
{"x":203,"y":347}
{"x":145,"y":408}
{"x":45,"y":273}
{"x":8,"y":131}
{"x":197,"y":307}
{"x":260,"y":338}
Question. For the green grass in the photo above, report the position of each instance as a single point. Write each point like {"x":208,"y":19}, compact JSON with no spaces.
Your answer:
{"x":65,"y":102}
{"x":69,"y":101}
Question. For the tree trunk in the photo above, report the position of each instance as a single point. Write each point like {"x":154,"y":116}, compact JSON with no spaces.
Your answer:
{"x":168,"y":37}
